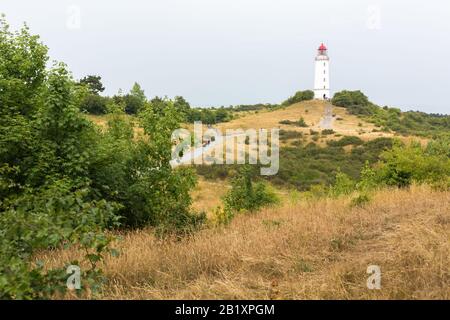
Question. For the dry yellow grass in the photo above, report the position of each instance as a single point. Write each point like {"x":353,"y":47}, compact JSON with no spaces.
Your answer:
{"x":308,"y":250}
{"x":312,"y":111}
{"x":207,"y":195}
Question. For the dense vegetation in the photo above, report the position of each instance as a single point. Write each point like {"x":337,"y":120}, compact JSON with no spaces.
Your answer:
{"x":392,"y":119}
{"x":64,"y":181}
{"x":302,"y":166}
{"x":299,"y":96}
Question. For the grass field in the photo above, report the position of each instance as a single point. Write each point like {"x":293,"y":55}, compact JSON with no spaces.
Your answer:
{"x":302,"y":250}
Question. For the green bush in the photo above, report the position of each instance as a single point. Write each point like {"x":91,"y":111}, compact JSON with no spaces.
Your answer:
{"x":393,"y":119}
{"x":245,"y":195}
{"x":302,"y":123}
{"x":343,"y":185}
{"x":299,"y":96}
{"x":345,"y":141}
{"x":54,"y":216}
{"x":209,"y":115}
{"x":303,"y":166}
{"x":94,"y":104}
{"x":349,"y":98}
{"x":404,"y":165}
{"x":361,"y":200}
{"x":328,"y":132}
{"x":63,"y":180}
{"x":289,"y":134}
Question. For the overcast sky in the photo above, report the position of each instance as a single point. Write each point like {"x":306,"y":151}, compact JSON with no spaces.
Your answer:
{"x":222,"y":52}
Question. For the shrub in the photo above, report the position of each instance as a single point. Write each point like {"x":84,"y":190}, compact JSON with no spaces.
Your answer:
{"x":288,"y":134}
{"x":63,"y":180}
{"x":302,"y":123}
{"x":94,"y":104}
{"x":343,"y":185}
{"x":57,"y":215}
{"x":327,"y":132}
{"x":245,"y":195}
{"x":349,"y":98}
{"x":299,"y":96}
{"x":345,"y":141}
{"x":406,"y":164}
{"x":222,"y":216}
{"x":360,"y":200}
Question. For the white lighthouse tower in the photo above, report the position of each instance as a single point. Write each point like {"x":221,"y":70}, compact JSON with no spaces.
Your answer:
{"x":322,"y":76}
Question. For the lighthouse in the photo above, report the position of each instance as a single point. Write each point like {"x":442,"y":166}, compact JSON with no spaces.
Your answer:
{"x":322,"y":75}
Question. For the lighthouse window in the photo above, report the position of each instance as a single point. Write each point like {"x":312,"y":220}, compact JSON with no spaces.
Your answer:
{"x":324,"y":79}
{"x":324,"y":71}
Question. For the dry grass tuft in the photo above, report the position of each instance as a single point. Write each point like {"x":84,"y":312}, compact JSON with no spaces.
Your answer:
{"x":310,"y":250}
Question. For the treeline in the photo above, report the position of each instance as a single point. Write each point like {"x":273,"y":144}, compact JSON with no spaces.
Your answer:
{"x":135,"y":101}
{"x":393,"y":119}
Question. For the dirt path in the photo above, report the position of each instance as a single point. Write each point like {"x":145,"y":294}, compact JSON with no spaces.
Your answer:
{"x":327,"y":121}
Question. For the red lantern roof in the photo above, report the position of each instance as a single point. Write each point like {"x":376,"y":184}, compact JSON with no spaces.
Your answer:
{"x":322,"y":47}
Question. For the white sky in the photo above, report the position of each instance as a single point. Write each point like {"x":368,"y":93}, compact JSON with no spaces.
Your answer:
{"x":222,"y":52}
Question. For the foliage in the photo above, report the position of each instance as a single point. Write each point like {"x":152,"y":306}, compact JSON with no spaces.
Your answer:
{"x":299,"y":96}
{"x":405,"y":164}
{"x":289,"y":134}
{"x":182,"y":106}
{"x":255,"y":107}
{"x":393,"y":119}
{"x":209,"y":115}
{"x":245,"y":195}
{"x":94,"y":104}
{"x":300,"y":123}
{"x":360,"y":200}
{"x":328,"y":132}
{"x":343,"y":185}
{"x":304,"y":166}
{"x":349,"y":98}
{"x":345,"y":141}
{"x":133,"y":102}
{"x":222,"y":215}
{"x":93,"y":83}
{"x":56,"y":215}
{"x":63,"y":180}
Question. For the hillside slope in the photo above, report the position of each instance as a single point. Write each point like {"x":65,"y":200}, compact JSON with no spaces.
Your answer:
{"x":307,"y":250}
{"x":312,"y":112}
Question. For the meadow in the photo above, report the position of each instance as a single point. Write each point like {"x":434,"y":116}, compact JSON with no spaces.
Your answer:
{"x":303,"y":249}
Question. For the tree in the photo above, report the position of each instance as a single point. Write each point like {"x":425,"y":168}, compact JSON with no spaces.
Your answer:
{"x":182,"y":106}
{"x":22,"y":84}
{"x":350,"y":98}
{"x":136,"y":91}
{"x":94,"y":104}
{"x":94,"y":83}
